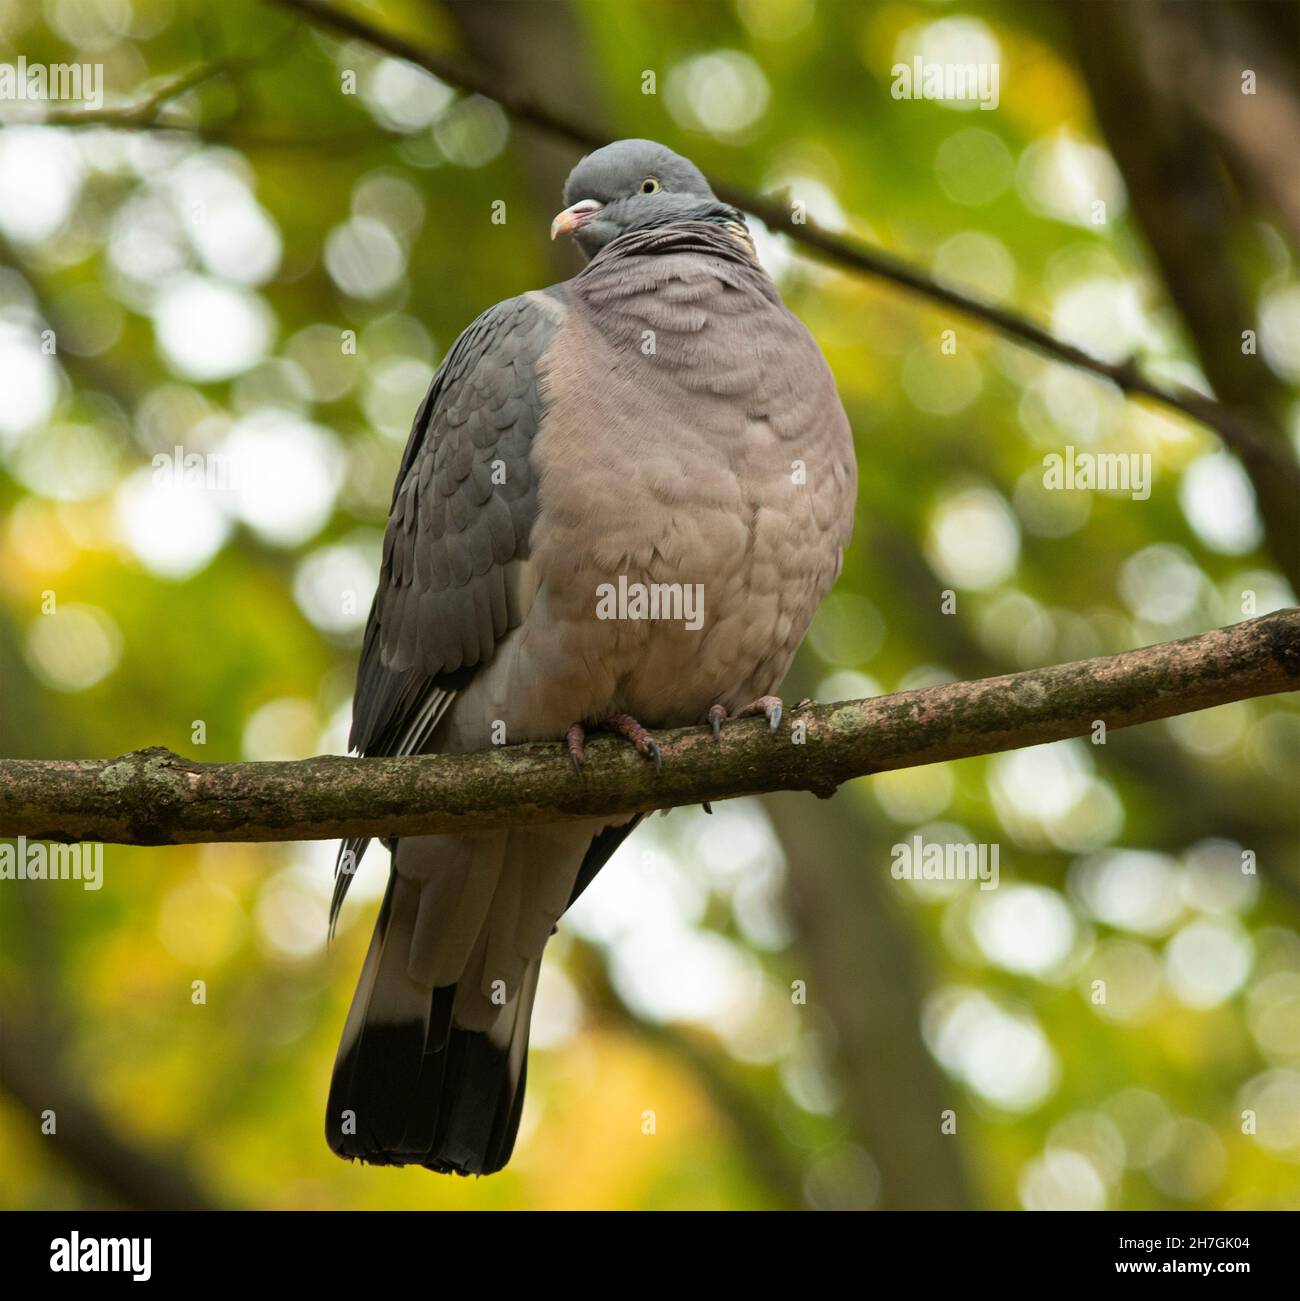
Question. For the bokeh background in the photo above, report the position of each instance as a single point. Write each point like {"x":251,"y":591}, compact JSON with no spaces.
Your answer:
{"x":199,"y":282}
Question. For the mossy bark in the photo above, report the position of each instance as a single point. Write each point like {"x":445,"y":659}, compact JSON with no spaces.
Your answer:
{"x":156,"y":797}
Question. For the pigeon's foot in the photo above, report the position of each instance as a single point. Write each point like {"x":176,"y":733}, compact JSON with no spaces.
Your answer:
{"x":769,"y":706}
{"x":574,"y":740}
{"x":623,"y":725}
{"x":629,"y":729}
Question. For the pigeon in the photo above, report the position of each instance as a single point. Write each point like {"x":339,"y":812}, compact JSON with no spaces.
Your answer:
{"x":621,"y":502}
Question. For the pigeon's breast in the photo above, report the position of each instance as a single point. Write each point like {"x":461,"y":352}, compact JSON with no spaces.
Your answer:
{"x":679,"y":549}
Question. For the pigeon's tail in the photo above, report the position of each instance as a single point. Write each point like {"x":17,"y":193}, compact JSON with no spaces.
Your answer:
{"x":431,"y":1066}
{"x":412,"y":1088}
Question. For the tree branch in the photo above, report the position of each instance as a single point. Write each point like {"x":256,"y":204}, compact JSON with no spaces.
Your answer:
{"x":143,"y":113}
{"x":1240,"y":430}
{"x":147,"y":114}
{"x":155,"y":797}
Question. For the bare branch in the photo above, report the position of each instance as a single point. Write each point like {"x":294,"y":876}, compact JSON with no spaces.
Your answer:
{"x":154,"y":797}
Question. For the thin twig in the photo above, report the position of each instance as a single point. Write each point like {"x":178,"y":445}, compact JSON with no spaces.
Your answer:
{"x":144,"y":113}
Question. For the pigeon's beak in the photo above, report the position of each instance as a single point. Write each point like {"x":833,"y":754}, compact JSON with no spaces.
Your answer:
{"x":575,"y":218}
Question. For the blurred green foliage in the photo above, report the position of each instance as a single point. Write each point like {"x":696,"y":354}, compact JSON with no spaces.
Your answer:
{"x":224,"y":620}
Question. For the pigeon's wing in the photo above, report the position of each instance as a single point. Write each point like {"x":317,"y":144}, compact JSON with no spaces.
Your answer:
{"x":458,"y":533}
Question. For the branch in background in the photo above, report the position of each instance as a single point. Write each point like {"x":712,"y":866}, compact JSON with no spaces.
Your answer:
{"x":1240,"y":430}
{"x":867,"y":970}
{"x":1140,"y":61}
{"x":131,"y":1176}
{"x":146,"y":113}
{"x":154,"y":797}
{"x":531,"y":48}
{"x":754,"y":1127}
{"x":1256,"y":440}
{"x":85,"y":372}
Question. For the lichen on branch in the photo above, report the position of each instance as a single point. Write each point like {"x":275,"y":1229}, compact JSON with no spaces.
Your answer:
{"x":155,"y":797}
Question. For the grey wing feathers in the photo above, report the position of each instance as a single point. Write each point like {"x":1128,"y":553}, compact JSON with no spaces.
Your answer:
{"x":461,"y":515}
{"x":462,"y":509}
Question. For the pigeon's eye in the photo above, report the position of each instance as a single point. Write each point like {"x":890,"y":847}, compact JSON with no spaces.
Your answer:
{"x":650,"y":185}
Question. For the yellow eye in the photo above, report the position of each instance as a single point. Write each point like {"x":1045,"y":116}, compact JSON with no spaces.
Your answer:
{"x":650,"y":185}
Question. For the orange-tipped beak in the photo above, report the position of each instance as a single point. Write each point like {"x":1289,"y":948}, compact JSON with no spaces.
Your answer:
{"x":575,"y":218}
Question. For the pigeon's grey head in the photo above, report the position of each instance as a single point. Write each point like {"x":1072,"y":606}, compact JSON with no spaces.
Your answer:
{"x":636,"y":185}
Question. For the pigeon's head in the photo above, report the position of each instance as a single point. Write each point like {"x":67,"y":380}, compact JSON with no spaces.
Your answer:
{"x":636,"y":185}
